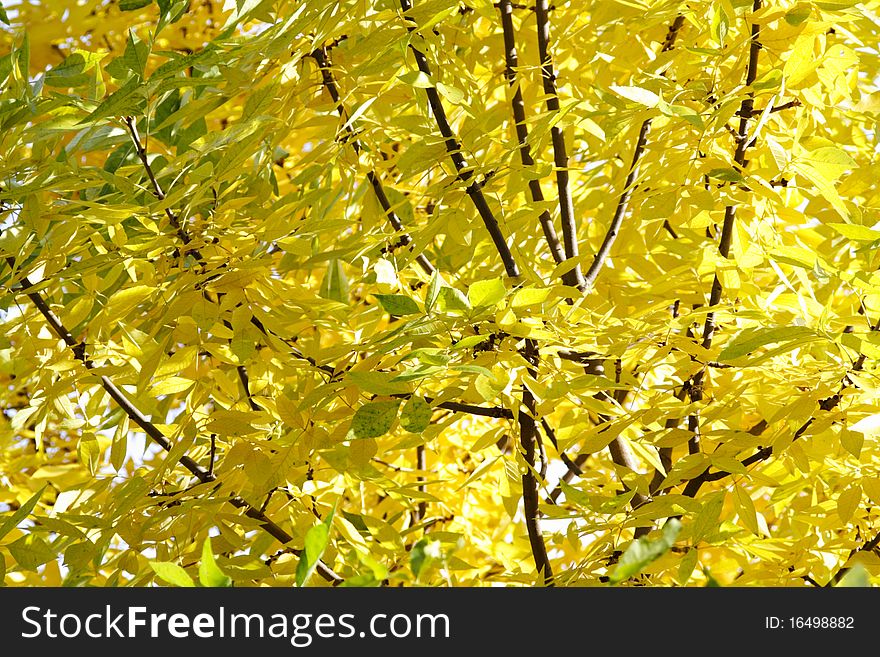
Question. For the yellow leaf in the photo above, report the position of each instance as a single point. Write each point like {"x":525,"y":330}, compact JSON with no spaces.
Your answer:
{"x":848,"y":501}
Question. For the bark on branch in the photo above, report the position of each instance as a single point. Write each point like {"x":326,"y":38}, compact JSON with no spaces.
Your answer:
{"x":322,"y":58}
{"x":525,"y":418}
{"x":511,"y":62}
{"x":742,"y":143}
{"x":464,"y":172}
{"x":557,"y":137}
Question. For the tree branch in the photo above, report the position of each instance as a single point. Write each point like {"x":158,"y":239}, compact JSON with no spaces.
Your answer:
{"x":557,"y":137}
{"x":739,"y":158}
{"x":528,"y":437}
{"x":623,"y":200}
{"x":150,"y":429}
{"x":526,"y":419}
{"x":869,"y":546}
{"x":323,"y":60}
{"x":157,"y":189}
{"x":464,"y":173}
{"x":522,"y":133}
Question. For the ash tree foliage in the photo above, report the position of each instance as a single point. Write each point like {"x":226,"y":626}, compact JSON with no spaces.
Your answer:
{"x":439,"y":292}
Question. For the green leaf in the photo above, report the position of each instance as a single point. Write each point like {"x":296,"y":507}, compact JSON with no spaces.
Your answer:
{"x":417,"y":79}
{"x":21,"y":513}
{"x":335,"y":284}
{"x":643,"y":551}
{"x":422,"y":554}
{"x":374,"y":419}
{"x":31,"y":551}
{"x":210,"y":574}
{"x":131,"y":5}
{"x":171,"y":573}
{"x":749,"y":340}
{"x":720,"y":23}
{"x":415,"y":415}
{"x":728,"y":174}
{"x":486,"y":293}
{"x":72,"y":71}
{"x":316,"y":541}
{"x":134,"y":59}
{"x":378,"y":383}
{"x":118,"y":103}
{"x":4,"y":18}
{"x":857,"y":576}
{"x":397,"y":304}
{"x":798,"y":15}
{"x":451,"y":300}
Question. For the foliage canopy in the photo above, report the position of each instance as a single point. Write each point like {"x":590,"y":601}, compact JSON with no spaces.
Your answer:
{"x":444,"y":292}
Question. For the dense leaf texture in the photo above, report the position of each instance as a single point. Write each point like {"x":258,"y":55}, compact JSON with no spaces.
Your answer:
{"x":268,"y":226}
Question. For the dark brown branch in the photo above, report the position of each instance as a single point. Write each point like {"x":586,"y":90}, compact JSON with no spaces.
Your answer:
{"x":557,"y":137}
{"x":869,"y":546}
{"x":739,"y":158}
{"x":323,"y":60}
{"x":528,"y":437}
{"x":465,"y":174}
{"x":623,"y":200}
{"x":422,"y":508}
{"x":522,"y":133}
{"x":525,"y":418}
{"x":185,"y":238}
{"x":459,"y":407}
{"x":245,"y":383}
{"x":157,"y":189}
{"x":150,"y":429}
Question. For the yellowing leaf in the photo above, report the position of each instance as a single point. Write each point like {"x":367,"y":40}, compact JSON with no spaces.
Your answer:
{"x":374,"y":419}
{"x":746,"y":509}
{"x":123,"y":301}
{"x":529,"y":296}
{"x":857,"y":232}
{"x":171,"y":573}
{"x":415,"y":415}
{"x":486,"y":293}
{"x":416,"y":79}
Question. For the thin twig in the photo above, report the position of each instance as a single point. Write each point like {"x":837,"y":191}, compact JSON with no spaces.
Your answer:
{"x":623,"y":201}
{"x":696,"y":383}
{"x":141,"y":151}
{"x":322,"y":58}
